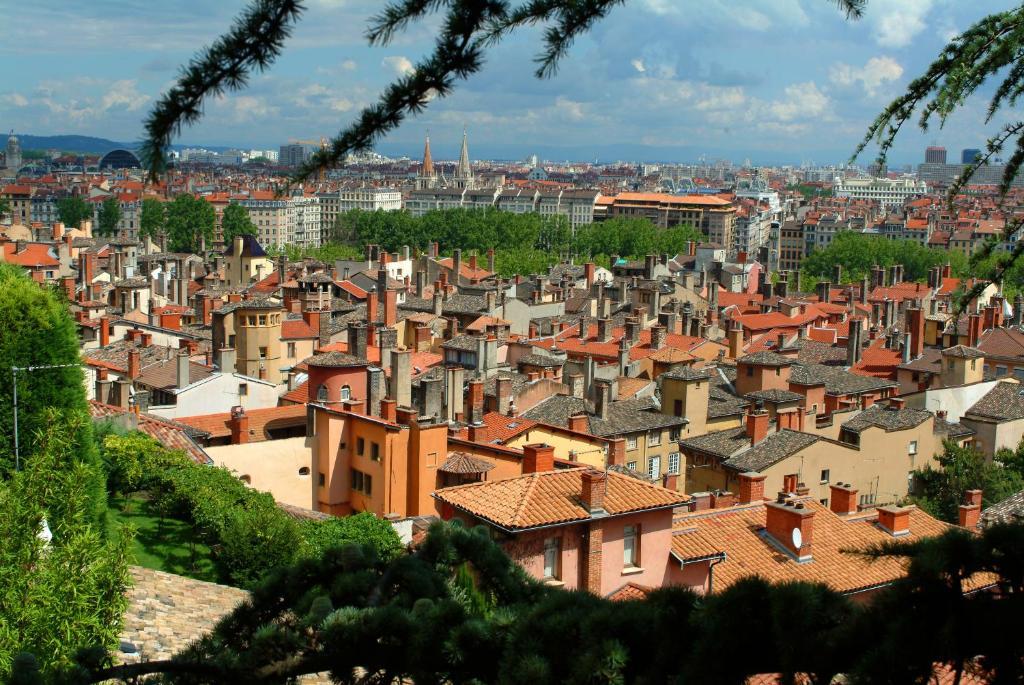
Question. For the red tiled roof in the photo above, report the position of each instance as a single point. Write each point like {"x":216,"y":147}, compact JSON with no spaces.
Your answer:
{"x":498,"y":428}
{"x":552,"y":497}
{"x":219,"y":426}
{"x":167,"y":433}
{"x":297,"y":329}
{"x":34,"y":255}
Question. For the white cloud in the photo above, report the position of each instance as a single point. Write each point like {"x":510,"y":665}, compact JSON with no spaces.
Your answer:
{"x":872,"y":76}
{"x":897,"y":22}
{"x":801,"y":101}
{"x":16,"y":99}
{"x":638,"y":64}
{"x":399,"y":64}
{"x":570,"y":109}
{"x":123,"y":94}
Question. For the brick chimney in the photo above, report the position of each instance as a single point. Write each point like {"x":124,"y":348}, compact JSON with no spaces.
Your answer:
{"x":589,"y":271}
{"x":782,"y":518}
{"x":658,"y":335}
{"x":915,"y":326}
{"x":538,"y":458}
{"x":390,"y":307}
{"x":578,"y":423}
{"x":751,"y":487}
{"x":134,"y":364}
{"x":239,"y":423}
{"x":735,"y":341}
{"x":476,"y":400}
{"x":594,"y":486}
{"x":757,"y":426}
{"x":104,"y":331}
{"x":842,"y":499}
{"x":894,"y":520}
{"x":721,"y":500}
{"x":969,"y":512}
{"x":371,"y":307}
{"x":617,"y":451}
{"x":975,"y":328}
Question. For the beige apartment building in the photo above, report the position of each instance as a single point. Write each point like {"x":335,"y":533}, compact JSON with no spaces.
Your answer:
{"x":712,"y":215}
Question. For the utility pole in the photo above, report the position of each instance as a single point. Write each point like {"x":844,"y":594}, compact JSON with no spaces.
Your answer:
{"x":14,"y":378}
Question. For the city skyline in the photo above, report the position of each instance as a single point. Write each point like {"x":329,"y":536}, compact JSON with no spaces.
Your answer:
{"x":649,"y":83}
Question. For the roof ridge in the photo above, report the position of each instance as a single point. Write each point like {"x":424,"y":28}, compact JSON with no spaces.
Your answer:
{"x":526,"y":497}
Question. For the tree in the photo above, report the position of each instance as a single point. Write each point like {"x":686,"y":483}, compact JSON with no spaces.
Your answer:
{"x":38,"y":331}
{"x":236,"y":221}
{"x":458,"y":610}
{"x":362,"y":529}
{"x":5,"y":206}
{"x":858,"y":253}
{"x":468,"y":29}
{"x":190,"y":223}
{"x":153,"y":219}
{"x":58,"y":598}
{"x":72,"y":210}
{"x":110,"y":217}
{"x":940,"y":491}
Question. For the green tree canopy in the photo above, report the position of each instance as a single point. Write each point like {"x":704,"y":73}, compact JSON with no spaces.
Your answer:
{"x":56,"y":599}
{"x":153,"y":218}
{"x":190,"y":223}
{"x":72,"y":210}
{"x":857,"y":253}
{"x":236,"y":221}
{"x":940,"y":491}
{"x":458,"y":610}
{"x":110,"y":217}
{"x":38,"y":331}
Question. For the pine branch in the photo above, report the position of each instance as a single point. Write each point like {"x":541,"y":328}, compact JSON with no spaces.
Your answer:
{"x":252,"y":44}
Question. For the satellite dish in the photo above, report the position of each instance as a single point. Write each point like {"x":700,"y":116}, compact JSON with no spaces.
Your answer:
{"x":798,"y":538}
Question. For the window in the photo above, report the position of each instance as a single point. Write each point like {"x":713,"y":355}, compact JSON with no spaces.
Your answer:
{"x":346,"y":393}
{"x":631,"y":442}
{"x":1001,"y":371}
{"x":823,"y":502}
{"x":304,"y":471}
{"x":673,"y":463}
{"x":263,"y":319}
{"x":321,"y":393}
{"x":825,"y":475}
{"x":357,"y":480}
{"x":912,"y":447}
{"x":360,"y":446}
{"x":675,"y":434}
{"x":374,"y":451}
{"x":631,"y":466}
{"x":630,"y":547}
{"x":552,"y":555}
{"x":677,"y":407}
{"x":654,"y":467}
{"x":654,"y":438}
{"x":291,"y":350}
{"x":750,"y":371}
{"x":367,"y":485}
{"x":243,"y":389}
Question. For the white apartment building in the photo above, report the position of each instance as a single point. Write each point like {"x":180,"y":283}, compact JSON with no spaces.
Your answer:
{"x":286,"y":221}
{"x":890,"y":193}
{"x":575,"y":205}
{"x":368,"y":199}
{"x":304,"y":221}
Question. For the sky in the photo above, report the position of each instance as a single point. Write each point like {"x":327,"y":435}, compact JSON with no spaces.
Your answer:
{"x":773,"y":81}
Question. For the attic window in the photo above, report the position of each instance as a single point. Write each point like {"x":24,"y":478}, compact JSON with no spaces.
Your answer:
{"x":513,"y":424}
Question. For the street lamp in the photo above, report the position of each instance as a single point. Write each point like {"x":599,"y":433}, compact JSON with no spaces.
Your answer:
{"x":14,"y":377}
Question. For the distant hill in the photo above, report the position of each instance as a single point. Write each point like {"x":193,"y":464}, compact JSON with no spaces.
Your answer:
{"x":82,"y":144}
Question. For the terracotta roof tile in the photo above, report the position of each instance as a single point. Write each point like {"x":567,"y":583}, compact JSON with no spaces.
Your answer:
{"x":260,"y":421}
{"x":553,"y":497}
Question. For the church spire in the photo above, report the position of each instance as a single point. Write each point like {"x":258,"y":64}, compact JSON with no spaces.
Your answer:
{"x":428,"y":160}
{"x":464,"y":171}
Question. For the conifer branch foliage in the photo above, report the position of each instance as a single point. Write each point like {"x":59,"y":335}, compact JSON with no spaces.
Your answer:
{"x":468,"y":29}
{"x":252,"y":44}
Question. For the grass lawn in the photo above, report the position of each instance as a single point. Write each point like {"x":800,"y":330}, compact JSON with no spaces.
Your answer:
{"x":161,"y":546}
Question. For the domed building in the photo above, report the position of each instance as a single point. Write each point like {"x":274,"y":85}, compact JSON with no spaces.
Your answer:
{"x":12,"y":156}
{"x":120,"y":159}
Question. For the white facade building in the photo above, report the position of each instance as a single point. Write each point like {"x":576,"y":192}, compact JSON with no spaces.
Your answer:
{"x":890,"y":193}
